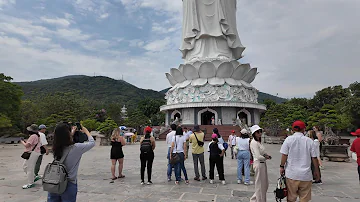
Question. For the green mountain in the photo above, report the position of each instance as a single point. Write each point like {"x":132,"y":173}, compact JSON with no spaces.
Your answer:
{"x":99,"y":90}
{"x":261,"y":97}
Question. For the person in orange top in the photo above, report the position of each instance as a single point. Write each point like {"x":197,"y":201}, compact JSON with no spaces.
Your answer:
{"x":355,"y":147}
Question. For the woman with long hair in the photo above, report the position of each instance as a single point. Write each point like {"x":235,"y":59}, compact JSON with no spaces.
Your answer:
{"x":178,"y":147}
{"x":319,"y":136}
{"x":243,"y":157}
{"x":147,"y":146}
{"x":116,"y":153}
{"x":260,"y":157}
{"x":32,"y":146}
{"x":216,"y":158}
{"x":313,"y":136}
{"x":63,"y":141}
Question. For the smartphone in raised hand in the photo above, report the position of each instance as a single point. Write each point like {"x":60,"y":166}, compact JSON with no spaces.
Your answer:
{"x":78,"y":126}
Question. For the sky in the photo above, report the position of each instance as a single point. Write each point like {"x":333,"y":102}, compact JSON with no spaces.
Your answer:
{"x":299,"y":46}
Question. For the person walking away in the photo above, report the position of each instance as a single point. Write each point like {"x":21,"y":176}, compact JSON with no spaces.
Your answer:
{"x":216,"y":158}
{"x":169,"y":137}
{"x":243,"y":157}
{"x":32,"y":146}
{"x":260,"y":167}
{"x":232,"y":143}
{"x":297,"y":154}
{"x":116,"y":153}
{"x":197,"y":143}
{"x":187,"y":134}
{"x":63,"y":141}
{"x":43,"y":150}
{"x":312,"y":135}
{"x":321,"y":141}
{"x":355,"y":147}
{"x":147,"y":146}
{"x":178,"y":146}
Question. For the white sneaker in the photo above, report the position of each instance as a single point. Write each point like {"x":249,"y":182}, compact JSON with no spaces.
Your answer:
{"x":239,"y":181}
{"x":211,"y":181}
{"x":223,"y":182}
{"x":248,"y":183}
{"x":142,"y":182}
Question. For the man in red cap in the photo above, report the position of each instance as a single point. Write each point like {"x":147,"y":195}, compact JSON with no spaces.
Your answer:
{"x":355,"y":147}
{"x":298,"y":152}
{"x":232,"y":143}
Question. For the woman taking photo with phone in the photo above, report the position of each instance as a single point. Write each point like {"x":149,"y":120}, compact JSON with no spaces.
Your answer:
{"x":31,"y":154}
{"x":117,"y":154}
{"x":63,"y":143}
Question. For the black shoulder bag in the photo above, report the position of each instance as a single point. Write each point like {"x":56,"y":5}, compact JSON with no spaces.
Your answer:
{"x":200,"y":143}
{"x":26,"y":155}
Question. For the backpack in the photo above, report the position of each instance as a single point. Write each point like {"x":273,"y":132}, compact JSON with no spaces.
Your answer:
{"x":281,"y":190}
{"x":55,"y":177}
{"x":146,"y":146}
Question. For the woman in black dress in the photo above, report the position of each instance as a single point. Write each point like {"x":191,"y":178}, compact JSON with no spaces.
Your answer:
{"x":117,"y":142}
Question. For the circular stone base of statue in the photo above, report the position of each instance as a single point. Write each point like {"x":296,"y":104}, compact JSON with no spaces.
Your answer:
{"x":210,"y":93}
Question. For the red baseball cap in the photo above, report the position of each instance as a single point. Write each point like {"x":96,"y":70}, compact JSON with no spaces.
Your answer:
{"x":356,"y":133}
{"x":298,"y":125}
{"x":233,"y":131}
{"x":148,"y":129}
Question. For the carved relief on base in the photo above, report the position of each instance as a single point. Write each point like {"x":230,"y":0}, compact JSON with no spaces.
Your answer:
{"x":210,"y":93}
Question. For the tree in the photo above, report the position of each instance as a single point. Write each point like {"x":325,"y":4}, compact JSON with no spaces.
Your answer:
{"x":10,"y":97}
{"x":329,"y":95}
{"x":90,"y":124}
{"x":136,"y":119}
{"x":29,"y":113}
{"x":107,"y":127}
{"x":327,"y":116}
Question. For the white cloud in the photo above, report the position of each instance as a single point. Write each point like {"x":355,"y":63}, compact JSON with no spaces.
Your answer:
{"x":161,"y":29}
{"x":105,"y":15}
{"x":56,"y":21}
{"x":72,"y":34}
{"x":136,"y":43}
{"x":4,"y":3}
{"x":158,"y":45}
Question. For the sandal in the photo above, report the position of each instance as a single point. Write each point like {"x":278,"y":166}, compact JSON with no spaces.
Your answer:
{"x":121,"y":176}
{"x":114,"y":178}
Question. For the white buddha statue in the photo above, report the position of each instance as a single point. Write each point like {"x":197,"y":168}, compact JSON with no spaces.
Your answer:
{"x":209,"y":30}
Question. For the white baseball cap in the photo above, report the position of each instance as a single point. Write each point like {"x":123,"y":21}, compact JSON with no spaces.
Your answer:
{"x":255,"y":128}
{"x":243,"y":131}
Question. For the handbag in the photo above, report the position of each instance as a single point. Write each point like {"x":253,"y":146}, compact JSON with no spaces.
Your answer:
{"x":200,"y":143}
{"x":281,"y":189}
{"x":26,"y":155}
{"x":175,"y":158}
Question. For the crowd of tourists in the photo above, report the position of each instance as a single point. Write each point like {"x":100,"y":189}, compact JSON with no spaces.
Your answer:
{"x":300,"y":161}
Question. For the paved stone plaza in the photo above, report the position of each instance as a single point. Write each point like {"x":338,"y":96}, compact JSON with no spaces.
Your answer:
{"x":340,"y":179}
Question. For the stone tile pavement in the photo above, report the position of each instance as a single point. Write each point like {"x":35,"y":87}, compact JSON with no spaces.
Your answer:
{"x":340,"y":179}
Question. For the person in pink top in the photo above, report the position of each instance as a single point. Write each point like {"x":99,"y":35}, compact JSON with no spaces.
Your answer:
{"x":32,"y":145}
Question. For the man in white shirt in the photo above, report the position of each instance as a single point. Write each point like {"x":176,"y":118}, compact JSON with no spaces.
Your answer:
{"x":297,"y":154}
{"x":43,"y":150}
{"x":169,"y":138}
{"x":232,"y":143}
